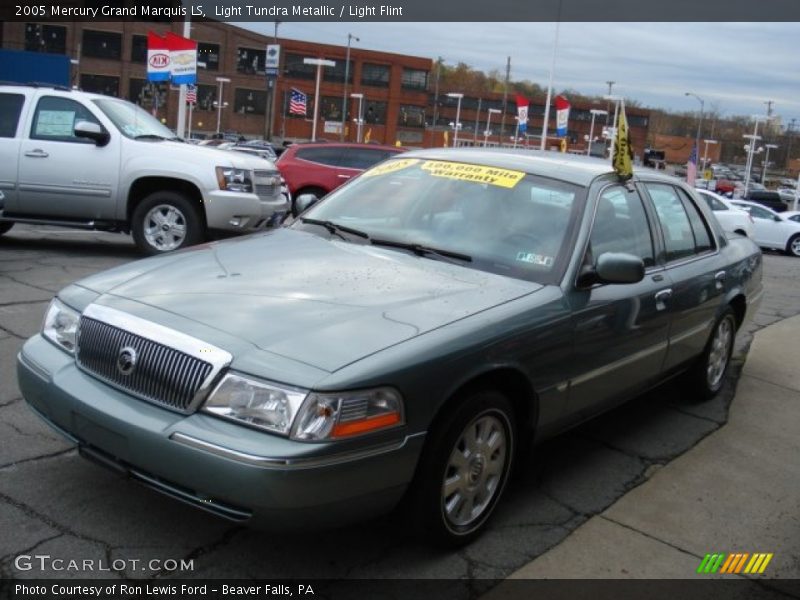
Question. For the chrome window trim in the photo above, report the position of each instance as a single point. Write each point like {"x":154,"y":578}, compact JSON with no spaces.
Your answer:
{"x":286,"y":464}
{"x":196,"y":348}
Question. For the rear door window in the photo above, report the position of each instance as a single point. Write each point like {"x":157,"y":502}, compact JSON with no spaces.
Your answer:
{"x":10,"y":110}
{"x":324,"y":156}
{"x":362,"y":158}
{"x":700,"y":229}
{"x":675,"y":225}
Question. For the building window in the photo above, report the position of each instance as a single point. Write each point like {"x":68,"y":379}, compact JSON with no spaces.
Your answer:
{"x":249,"y":102}
{"x":102,"y":44}
{"x":411,"y":116}
{"x":139,"y":48}
{"x":414,"y":79}
{"x":375,"y":75}
{"x":208,"y":54}
{"x":251,"y":61}
{"x":375,"y":113}
{"x":206,"y":97}
{"x":295,"y":67}
{"x":336,"y":74}
{"x":45,"y":38}
{"x":149,"y":96}
{"x":100,"y":84}
{"x":331,"y":108}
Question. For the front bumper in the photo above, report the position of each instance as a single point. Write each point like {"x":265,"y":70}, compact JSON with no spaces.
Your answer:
{"x":244,"y":213}
{"x":215,"y":465}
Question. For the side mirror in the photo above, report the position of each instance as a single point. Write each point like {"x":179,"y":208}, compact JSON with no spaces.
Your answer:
{"x":91,"y":131}
{"x":305,"y":201}
{"x":613,"y":267}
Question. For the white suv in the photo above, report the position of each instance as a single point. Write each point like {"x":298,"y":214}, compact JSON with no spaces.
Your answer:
{"x":96,"y":162}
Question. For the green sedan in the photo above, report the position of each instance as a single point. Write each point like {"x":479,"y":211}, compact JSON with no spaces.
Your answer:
{"x":402,"y":340}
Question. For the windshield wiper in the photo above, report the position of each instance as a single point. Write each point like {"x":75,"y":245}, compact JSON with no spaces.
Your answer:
{"x":422,"y":250}
{"x":335,"y":228}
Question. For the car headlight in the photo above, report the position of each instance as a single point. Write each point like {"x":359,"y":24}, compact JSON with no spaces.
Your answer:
{"x":346,"y":414}
{"x":60,"y":325}
{"x":255,"y":402}
{"x":234,"y":180}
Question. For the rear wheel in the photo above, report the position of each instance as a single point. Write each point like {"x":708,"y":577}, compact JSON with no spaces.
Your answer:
{"x":166,"y":221}
{"x":5,"y":226}
{"x":464,"y":469}
{"x":707,"y":377}
{"x":793,"y":247}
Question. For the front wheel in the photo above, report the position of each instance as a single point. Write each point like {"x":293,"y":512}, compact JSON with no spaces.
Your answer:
{"x":464,"y":470}
{"x":793,"y":247}
{"x":708,"y":375}
{"x":165,"y":221}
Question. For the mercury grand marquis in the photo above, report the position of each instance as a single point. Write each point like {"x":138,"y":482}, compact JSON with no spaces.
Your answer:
{"x":401,"y":340}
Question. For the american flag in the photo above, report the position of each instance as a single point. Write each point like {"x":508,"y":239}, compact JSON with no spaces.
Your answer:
{"x":297,"y":102}
{"x":191,"y":94}
{"x":691,"y":167}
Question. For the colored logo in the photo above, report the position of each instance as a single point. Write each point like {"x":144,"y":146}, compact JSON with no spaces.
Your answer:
{"x":740,"y":562}
{"x":159,"y":61}
{"x":126,"y":360}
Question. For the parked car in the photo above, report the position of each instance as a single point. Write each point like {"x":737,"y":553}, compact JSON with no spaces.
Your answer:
{"x":792,"y":215}
{"x":404,"y":338}
{"x":85,"y":160}
{"x":732,"y":218}
{"x":771,"y":229}
{"x":767,"y":198}
{"x":318,"y":168}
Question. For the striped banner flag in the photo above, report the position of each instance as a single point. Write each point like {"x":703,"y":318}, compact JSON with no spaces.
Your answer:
{"x":297,"y":102}
{"x":691,"y":167}
{"x":191,"y":94}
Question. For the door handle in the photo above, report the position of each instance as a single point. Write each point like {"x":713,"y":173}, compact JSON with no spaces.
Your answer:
{"x":38,"y":153}
{"x":720,"y":279}
{"x":344,"y":176}
{"x":662,"y":297}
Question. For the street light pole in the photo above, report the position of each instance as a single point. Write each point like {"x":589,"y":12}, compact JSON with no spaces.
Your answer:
{"x":766,"y":162}
{"x":751,"y":150}
{"x":613,"y":131}
{"x":492,"y":111}
{"x":458,"y":96}
{"x":595,"y":112}
{"x":360,"y":121}
{"x":319,"y":63}
{"x":350,"y":37}
{"x":700,"y":121}
{"x":222,"y":81}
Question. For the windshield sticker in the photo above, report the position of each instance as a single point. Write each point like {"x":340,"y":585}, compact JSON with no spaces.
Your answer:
{"x":391,"y":167}
{"x":535,"y":259}
{"x":475,"y":173}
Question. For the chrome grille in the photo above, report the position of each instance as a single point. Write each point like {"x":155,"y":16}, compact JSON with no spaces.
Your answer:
{"x":267,"y":183}
{"x":162,"y":375}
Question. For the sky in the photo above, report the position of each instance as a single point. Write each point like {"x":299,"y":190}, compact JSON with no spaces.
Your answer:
{"x":734,"y":67}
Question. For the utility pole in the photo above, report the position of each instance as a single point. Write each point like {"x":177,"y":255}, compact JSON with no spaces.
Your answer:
{"x":272,"y":94}
{"x":790,"y":136}
{"x":610,"y":85}
{"x":505,"y":100}
{"x":436,"y":102}
{"x":769,"y":104}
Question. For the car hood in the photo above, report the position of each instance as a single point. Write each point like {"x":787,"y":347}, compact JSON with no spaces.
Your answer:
{"x":323,"y":302}
{"x":192,"y":152}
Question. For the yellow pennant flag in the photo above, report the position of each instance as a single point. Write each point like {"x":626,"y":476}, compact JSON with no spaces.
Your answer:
{"x":446,"y":139}
{"x":368,"y":135}
{"x":563,"y":145}
{"x":622,"y":160}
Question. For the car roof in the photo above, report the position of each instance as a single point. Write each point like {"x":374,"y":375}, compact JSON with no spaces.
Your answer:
{"x":572,"y":168}
{"x":299,"y":145}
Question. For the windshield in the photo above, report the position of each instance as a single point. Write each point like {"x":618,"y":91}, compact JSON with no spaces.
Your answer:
{"x":132,"y":120}
{"x":504,"y":221}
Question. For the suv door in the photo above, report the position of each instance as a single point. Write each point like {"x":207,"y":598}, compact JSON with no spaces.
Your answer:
{"x":61,"y":175}
{"x":695,"y":269}
{"x":621,"y":330}
{"x":10,"y":111}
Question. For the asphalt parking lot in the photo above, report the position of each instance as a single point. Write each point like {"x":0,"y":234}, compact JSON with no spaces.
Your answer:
{"x":54,"y":502}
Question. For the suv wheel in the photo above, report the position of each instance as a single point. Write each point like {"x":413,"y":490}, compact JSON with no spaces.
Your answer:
{"x":5,"y":226}
{"x":793,"y":247}
{"x":463,"y":472}
{"x":165,"y":221}
{"x":319,"y":193}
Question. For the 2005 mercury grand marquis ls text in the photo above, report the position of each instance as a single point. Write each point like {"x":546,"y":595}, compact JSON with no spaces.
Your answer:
{"x":404,"y":338}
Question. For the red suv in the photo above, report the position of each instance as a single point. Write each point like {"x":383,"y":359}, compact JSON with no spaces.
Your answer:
{"x":318,"y":168}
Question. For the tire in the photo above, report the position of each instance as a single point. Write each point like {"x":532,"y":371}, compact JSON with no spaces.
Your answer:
{"x":175,"y":212}
{"x":793,"y":245}
{"x":318,"y":192}
{"x":708,"y":375}
{"x":5,"y":227}
{"x":448,"y":482}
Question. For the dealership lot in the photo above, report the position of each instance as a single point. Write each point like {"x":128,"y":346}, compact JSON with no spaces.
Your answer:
{"x":52,"y":502}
